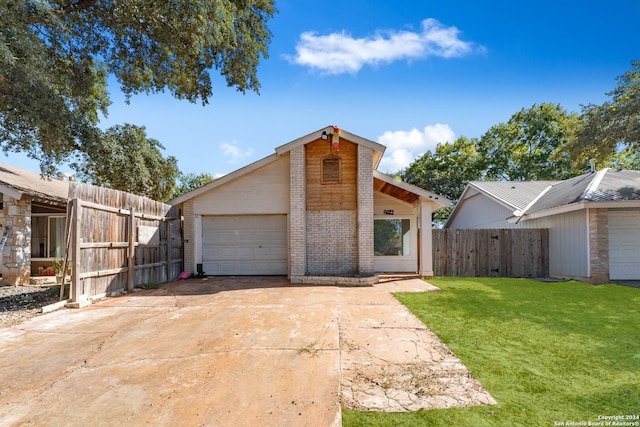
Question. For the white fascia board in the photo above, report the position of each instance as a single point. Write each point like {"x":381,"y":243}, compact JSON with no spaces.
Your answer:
{"x":611,"y":204}
{"x":548,"y":212}
{"x":11,"y":192}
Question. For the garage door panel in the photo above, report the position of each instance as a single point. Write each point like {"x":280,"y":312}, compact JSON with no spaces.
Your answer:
{"x":624,"y":245}
{"x":244,"y":245}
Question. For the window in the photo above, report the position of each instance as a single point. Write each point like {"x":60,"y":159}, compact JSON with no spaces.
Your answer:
{"x":391,"y":237}
{"x":47,"y":236}
{"x":331,"y":170}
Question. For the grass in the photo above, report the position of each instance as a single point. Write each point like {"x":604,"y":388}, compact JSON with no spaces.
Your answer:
{"x":549,"y":353}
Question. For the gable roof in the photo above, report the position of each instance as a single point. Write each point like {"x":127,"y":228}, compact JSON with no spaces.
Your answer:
{"x":534,"y":199}
{"x":378,"y":151}
{"x":16,"y":182}
{"x":606,"y":185}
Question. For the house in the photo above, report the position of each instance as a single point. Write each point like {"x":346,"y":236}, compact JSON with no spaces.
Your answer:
{"x":33,"y":220}
{"x":316,"y":210}
{"x":593,"y":220}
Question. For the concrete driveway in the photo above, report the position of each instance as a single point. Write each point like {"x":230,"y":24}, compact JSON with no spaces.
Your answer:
{"x":223,"y":352}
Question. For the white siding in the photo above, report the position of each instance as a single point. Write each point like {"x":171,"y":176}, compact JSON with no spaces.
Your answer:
{"x":382,"y":202}
{"x":263,"y":191}
{"x":479,"y":211}
{"x":568,"y":242}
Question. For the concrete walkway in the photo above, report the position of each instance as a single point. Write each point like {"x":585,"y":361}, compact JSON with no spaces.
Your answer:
{"x":224,"y":352}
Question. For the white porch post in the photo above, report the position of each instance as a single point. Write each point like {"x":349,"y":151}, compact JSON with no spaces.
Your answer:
{"x":426,"y":243}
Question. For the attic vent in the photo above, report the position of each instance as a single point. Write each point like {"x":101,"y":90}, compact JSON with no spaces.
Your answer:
{"x":331,"y":170}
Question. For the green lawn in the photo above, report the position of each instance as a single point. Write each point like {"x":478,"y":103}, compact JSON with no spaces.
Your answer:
{"x":547,"y":352}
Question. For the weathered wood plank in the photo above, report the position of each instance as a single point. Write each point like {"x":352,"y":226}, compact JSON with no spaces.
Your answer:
{"x":106,"y":252}
{"x":491,"y":252}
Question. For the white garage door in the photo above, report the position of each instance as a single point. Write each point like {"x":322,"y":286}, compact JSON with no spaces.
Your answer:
{"x":624,"y":245}
{"x":244,"y":245}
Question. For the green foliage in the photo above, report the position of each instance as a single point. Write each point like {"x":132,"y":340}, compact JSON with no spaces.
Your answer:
{"x":55,"y":56}
{"x":123,"y":158}
{"x":613,"y":124}
{"x":546,"y":352}
{"x":191,"y":181}
{"x":523,"y":148}
{"x":446,"y":171}
{"x":51,"y":89}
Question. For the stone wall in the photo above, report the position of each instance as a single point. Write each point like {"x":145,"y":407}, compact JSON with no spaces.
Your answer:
{"x":16,"y":255}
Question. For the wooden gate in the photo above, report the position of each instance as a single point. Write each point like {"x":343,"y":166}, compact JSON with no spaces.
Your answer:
{"x":117,"y":241}
{"x":491,"y":252}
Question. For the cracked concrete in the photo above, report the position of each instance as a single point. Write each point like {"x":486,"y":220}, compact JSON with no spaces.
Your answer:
{"x":391,"y":362}
{"x":228,"y":351}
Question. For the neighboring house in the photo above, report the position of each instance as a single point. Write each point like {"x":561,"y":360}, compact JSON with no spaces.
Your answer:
{"x":33,"y":215}
{"x":593,"y":220}
{"x":316,"y":210}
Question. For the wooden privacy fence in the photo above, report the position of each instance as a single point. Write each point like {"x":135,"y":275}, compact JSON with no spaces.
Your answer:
{"x":491,"y":252}
{"x":117,"y":241}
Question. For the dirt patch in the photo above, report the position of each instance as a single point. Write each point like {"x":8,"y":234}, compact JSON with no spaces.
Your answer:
{"x":20,"y":303}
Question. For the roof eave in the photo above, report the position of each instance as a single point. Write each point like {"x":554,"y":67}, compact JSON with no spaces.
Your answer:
{"x":422,"y":194}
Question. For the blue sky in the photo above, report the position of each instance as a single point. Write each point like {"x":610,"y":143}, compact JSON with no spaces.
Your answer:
{"x":407,"y":74}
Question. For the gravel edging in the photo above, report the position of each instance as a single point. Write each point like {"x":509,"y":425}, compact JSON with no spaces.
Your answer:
{"x":21,"y":303}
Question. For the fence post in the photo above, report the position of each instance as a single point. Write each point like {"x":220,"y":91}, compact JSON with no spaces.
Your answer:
{"x":75,"y":293}
{"x":168,"y":227}
{"x":132,"y":249}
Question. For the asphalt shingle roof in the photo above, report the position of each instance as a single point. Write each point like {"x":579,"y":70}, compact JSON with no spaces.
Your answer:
{"x":33,"y":184}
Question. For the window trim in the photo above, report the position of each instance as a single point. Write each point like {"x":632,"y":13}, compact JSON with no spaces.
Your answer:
{"x":47,"y":248}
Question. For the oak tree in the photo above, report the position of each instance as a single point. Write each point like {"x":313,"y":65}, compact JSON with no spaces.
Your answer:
{"x":129,"y":161}
{"x":530,"y":145}
{"x":56,"y":56}
{"x":614,"y":126}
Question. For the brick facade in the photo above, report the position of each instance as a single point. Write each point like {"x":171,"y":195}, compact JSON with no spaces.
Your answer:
{"x":332,"y":243}
{"x":297,"y":214}
{"x":16,"y":255}
{"x":365,"y":211}
{"x":599,"y":245}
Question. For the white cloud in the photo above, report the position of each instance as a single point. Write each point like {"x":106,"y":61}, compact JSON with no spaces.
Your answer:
{"x":339,"y":53}
{"x":403,"y":147}
{"x":235,"y":153}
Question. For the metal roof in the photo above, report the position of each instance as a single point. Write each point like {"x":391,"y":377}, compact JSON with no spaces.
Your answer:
{"x":528,"y":197}
{"x":516,"y":194}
